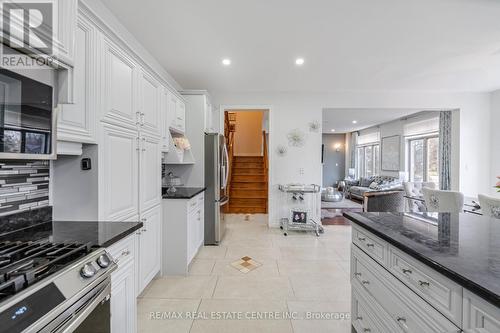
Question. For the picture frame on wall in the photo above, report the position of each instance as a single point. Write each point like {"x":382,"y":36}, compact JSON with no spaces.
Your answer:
{"x":391,"y":151}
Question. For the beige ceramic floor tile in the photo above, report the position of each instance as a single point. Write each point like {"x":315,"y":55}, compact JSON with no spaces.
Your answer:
{"x":321,"y":316}
{"x":246,"y":312}
{"x":201,"y":266}
{"x":253,"y":288}
{"x":212,"y":252}
{"x":182,"y":287}
{"x":321,"y":288}
{"x":257,"y":253}
{"x":308,"y":253}
{"x":318,"y":268}
{"x":269,"y":268}
{"x":149,"y":321}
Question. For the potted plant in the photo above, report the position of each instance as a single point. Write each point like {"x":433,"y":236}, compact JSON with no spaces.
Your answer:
{"x":497,"y":186}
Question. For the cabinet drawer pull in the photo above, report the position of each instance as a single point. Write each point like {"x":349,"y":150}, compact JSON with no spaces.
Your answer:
{"x":357,"y":274}
{"x":365,"y":282}
{"x":359,"y":318}
{"x":401,"y":319}
{"x":361,"y":239}
{"x":144,"y":230}
{"x":138,"y":233}
{"x":125,"y":253}
{"x":367,"y":330}
{"x":423,"y":283}
{"x":406,"y":271}
{"x":370,"y":245}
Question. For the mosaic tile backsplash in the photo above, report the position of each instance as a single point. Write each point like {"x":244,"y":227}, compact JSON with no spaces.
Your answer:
{"x":23,"y":185}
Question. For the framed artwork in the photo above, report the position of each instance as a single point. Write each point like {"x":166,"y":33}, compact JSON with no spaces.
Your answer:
{"x":391,"y":149}
{"x":298,"y":215}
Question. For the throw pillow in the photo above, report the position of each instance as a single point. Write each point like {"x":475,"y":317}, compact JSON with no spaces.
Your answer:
{"x":365,"y":182}
{"x":374,"y":186}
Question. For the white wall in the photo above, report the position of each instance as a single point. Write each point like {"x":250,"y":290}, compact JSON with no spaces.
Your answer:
{"x":495,"y":140}
{"x":296,"y":110}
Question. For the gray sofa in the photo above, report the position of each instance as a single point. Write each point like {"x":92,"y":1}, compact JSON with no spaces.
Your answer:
{"x":357,"y":189}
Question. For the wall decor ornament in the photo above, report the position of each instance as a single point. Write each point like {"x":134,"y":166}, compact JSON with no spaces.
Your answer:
{"x":281,"y":150}
{"x":390,"y":153}
{"x":314,"y":126}
{"x":296,"y":138}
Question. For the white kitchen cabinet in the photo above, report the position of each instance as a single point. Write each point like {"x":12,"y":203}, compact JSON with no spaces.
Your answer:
{"x":119,"y":87}
{"x":150,"y":103}
{"x":149,"y":247}
{"x":177,"y":113}
{"x":150,"y":172}
{"x":76,"y":122}
{"x":119,"y":172}
{"x":198,"y":103}
{"x":64,"y":30}
{"x":480,"y":315}
{"x":165,"y":120}
{"x":183,"y":233}
{"x":123,"y":282}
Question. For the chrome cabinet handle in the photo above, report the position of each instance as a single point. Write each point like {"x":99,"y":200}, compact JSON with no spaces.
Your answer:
{"x":143,"y":144}
{"x":138,"y":118}
{"x":359,"y":318}
{"x":424,"y":283}
{"x":142,"y":118}
{"x":361,"y":239}
{"x":144,"y":230}
{"x":366,"y":330}
{"x":138,"y":233}
{"x":401,"y":319}
{"x":144,"y":219}
{"x":406,"y":271}
{"x":370,"y":245}
{"x":137,"y":143}
{"x":365,"y":282}
{"x":357,"y":274}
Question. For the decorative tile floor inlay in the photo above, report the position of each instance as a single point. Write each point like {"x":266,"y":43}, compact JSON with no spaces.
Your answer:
{"x":246,"y":264}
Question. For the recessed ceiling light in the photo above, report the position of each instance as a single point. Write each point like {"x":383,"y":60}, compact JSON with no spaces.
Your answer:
{"x":354,"y":121}
{"x":226,"y":62}
{"x":299,"y":61}
{"x":333,"y":130}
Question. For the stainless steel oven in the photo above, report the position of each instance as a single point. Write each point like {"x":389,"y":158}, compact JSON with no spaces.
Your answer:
{"x":27,"y":114}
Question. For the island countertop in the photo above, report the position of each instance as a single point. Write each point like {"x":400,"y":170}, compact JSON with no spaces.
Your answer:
{"x":464,"y":247}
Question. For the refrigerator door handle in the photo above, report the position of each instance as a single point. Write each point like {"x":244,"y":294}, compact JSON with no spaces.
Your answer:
{"x":226,"y":176}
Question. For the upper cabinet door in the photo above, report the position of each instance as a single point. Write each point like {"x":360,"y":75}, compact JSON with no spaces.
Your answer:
{"x":150,"y":172}
{"x":118,"y":173}
{"x":181,"y":115}
{"x":150,"y":101}
{"x":165,"y":121}
{"x":64,"y":30}
{"x":76,"y":122}
{"x":120,"y":76}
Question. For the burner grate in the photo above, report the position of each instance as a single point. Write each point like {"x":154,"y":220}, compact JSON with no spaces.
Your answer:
{"x":24,"y":263}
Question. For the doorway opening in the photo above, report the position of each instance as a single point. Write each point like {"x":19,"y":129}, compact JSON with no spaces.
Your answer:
{"x":247,"y":139}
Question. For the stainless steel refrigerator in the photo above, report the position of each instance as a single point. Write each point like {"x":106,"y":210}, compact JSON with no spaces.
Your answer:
{"x":216,"y":180}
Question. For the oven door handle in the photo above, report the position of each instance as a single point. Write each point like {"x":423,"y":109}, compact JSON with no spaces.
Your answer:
{"x":70,"y":319}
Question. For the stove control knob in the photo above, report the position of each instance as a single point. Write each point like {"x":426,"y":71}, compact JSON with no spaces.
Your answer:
{"x":103,"y":261}
{"x":88,"y":271}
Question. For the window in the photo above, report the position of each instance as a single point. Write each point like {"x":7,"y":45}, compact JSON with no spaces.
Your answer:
{"x":368,"y":160}
{"x":423,"y":161}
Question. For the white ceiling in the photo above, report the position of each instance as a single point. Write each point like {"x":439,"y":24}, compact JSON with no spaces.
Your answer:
{"x":341,"y":119}
{"x":431,"y":45}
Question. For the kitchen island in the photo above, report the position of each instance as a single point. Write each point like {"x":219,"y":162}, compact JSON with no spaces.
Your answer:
{"x":425,"y":272}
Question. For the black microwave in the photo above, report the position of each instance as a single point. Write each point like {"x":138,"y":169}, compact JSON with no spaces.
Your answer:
{"x":27,"y":117}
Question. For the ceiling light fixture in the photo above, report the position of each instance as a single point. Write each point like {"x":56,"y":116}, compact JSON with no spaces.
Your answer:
{"x":354,"y":121}
{"x":333,"y":130}
{"x":299,"y":61}
{"x":226,"y":62}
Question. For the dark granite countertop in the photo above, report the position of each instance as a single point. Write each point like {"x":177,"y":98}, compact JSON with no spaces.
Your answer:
{"x":37,"y":224}
{"x":464,"y":247}
{"x":182,"y":192}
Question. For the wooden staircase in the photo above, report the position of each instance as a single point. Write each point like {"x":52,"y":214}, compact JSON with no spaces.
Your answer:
{"x":248,"y":192}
